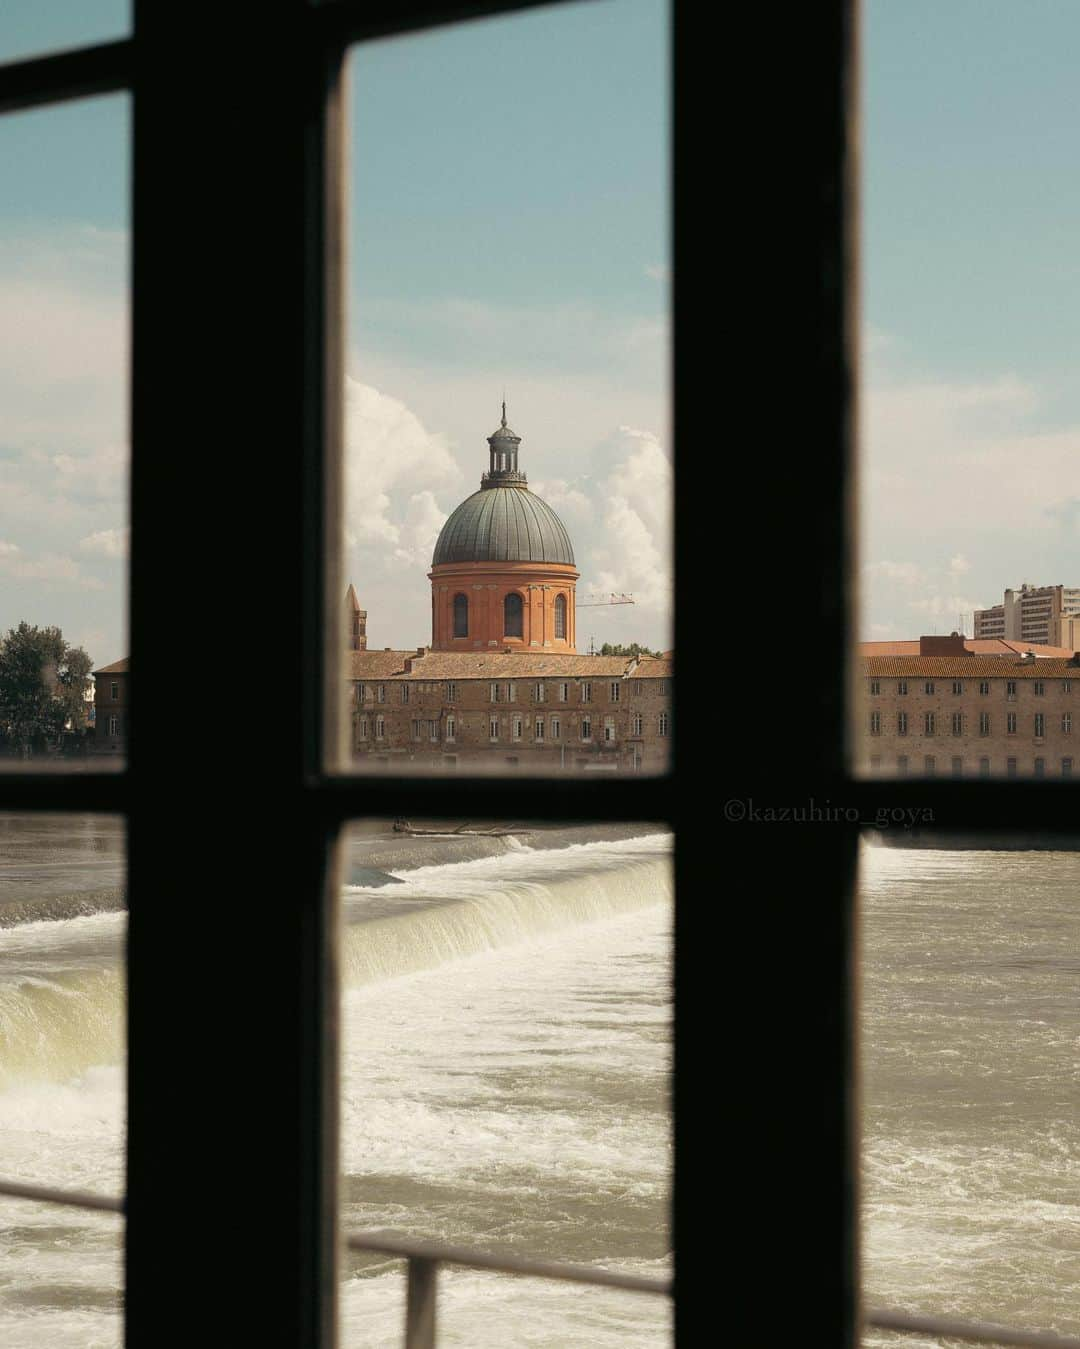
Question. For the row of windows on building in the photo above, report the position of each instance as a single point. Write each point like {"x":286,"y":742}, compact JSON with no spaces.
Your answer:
{"x":513,"y":616}
{"x":930,"y":686}
{"x":959,"y":767}
{"x":506,"y":692}
{"x":956,"y":722}
{"x":428,"y":728}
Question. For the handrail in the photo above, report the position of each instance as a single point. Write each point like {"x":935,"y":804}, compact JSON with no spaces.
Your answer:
{"x":978,"y":1332}
{"x":424,"y":1257}
{"x":46,"y":1194}
{"x":409,"y":1248}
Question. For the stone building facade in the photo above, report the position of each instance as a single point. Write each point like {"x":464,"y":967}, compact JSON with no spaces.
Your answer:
{"x":970,"y":716}
{"x":502,"y":711}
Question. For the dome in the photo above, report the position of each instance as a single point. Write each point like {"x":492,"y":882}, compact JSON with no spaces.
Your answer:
{"x":503,"y":524}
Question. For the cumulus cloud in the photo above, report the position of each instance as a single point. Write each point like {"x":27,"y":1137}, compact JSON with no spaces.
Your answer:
{"x":631,"y":552}
{"x":419,"y":529}
{"x":111,"y":543}
{"x":390,"y":458}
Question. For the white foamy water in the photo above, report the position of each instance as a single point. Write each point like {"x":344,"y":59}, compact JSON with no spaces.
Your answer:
{"x":61,"y":1123}
{"x":971,"y":1060}
{"x":517,"y":1096}
{"x":506,"y":1058}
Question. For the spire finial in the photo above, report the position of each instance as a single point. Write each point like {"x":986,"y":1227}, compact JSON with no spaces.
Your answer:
{"x":504,"y":408}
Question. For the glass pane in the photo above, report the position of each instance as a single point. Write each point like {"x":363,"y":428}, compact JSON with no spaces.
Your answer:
{"x":508,"y":479}
{"x":970,"y":1128}
{"x":64,"y":435}
{"x":507,"y":1053}
{"x":40,"y":27}
{"x":62,"y":1073}
{"x":971,"y":325}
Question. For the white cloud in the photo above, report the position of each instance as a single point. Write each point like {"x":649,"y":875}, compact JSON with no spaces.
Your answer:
{"x":632,"y":549}
{"x":904,"y":573}
{"x":959,"y":565}
{"x":389,"y":458}
{"x":55,"y":570}
{"x":112,"y":543}
{"x":419,"y":530}
{"x":8,"y":549}
{"x":951,"y":607}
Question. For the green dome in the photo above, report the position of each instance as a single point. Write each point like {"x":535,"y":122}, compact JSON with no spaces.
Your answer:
{"x":503,"y":524}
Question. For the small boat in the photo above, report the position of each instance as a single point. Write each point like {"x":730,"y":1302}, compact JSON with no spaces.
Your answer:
{"x":494,"y":831}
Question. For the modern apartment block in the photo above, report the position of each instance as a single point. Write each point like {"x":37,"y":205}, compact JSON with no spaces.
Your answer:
{"x":1032,"y":614}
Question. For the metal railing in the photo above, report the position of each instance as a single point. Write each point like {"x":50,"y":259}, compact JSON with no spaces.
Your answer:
{"x":424,"y":1257}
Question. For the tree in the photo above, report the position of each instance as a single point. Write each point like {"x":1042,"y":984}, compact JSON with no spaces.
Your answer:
{"x":43,"y":683}
{"x":634,"y":649}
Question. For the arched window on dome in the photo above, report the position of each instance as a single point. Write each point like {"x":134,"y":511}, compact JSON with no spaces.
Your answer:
{"x":513,"y":617}
{"x":461,"y":615}
{"x":560,"y":616}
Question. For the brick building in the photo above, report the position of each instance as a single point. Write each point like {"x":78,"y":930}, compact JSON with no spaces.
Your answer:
{"x":501,"y":684}
{"x":559,"y":713}
{"x":355,"y":622}
{"x":502,"y":574}
{"x":969,"y":715}
{"x":111,"y":708}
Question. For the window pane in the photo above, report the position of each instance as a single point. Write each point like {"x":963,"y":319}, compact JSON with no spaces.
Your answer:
{"x":63,"y":435}
{"x":970,"y":1130}
{"x":62,"y":1057}
{"x":40,"y":27}
{"x":508,"y":479}
{"x":506,"y":1039}
{"x":970,"y":407}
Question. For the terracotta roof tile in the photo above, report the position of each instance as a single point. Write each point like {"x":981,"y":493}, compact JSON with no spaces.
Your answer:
{"x":117,"y":667}
{"x":500,"y":665}
{"x":978,"y":646}
{"x":970,"y":667}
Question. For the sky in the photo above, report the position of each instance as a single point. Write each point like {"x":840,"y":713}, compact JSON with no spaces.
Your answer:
{"x":970,"y":469}
{"x":509,"y":233}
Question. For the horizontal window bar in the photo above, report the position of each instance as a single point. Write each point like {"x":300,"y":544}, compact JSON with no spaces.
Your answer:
{"x":499,"y":798}
{"x":63,"y":790}
{"x":104,"y":69}
{"x":978,"y":1332}
{"x":409,"y":1249}
{"x":345,"y":21}
{"x":46,"y":1194}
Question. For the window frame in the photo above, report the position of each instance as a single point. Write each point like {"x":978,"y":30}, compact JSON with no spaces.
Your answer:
{"x":263,"y":140}
{"x":281,"y":215}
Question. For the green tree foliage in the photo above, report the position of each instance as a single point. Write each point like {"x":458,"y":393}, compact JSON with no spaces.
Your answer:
{"x":634,"y":649}
{"x":43,"y":681}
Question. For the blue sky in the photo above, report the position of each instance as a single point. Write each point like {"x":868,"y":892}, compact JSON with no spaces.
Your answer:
{"x":509,"y":230}
{"x":971,"y":275}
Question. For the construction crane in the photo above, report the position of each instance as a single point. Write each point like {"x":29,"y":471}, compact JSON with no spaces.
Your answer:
{"x":612,"y":599}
